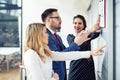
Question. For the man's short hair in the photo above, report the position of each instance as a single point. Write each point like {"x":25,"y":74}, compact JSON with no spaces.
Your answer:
{"x":47,"y":12}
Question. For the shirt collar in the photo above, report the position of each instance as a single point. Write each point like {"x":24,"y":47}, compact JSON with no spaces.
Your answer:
{"x":50,"y":30}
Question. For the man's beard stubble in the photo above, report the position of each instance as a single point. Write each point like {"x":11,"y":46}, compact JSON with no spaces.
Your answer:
{"x":58,"y":29}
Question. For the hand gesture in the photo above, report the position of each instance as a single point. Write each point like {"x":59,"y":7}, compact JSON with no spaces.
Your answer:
{"x":96,"y":26}
{"x":81,"y":37}
{"x":55,"y":75}
{"x":98,"y":51}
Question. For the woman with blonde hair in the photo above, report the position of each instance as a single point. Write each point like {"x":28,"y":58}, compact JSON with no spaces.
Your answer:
{"x":38,"y":58}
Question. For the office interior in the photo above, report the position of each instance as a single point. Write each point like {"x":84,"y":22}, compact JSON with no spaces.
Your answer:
{"x":15,"y":15}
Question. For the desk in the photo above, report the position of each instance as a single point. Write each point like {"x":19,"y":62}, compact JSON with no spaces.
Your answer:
{"x":7,"y":52}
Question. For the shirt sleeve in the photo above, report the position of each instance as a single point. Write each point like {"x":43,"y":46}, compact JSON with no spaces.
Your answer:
{"x":32,"y":65}
{"x":72,"y":55}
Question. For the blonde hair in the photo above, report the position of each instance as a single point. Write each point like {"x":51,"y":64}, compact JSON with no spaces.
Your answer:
{"x":34,"y":33}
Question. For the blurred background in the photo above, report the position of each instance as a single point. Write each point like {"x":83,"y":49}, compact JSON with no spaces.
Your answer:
{"x":15,"y":15}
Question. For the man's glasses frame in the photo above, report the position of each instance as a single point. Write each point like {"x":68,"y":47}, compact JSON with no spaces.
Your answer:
{"x":59,"y":18}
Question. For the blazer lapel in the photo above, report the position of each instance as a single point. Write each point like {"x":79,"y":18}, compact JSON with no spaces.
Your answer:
{"x":53,"y":38}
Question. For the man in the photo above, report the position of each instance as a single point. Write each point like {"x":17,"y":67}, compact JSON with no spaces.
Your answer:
{"x":53,"y":21}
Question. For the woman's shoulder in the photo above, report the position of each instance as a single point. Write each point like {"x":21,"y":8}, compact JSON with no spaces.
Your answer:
{"x":70,"y":36}
{"x":30,"y":52}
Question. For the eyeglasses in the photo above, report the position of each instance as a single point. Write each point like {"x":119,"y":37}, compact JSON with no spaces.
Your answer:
{"x":59,"y":18}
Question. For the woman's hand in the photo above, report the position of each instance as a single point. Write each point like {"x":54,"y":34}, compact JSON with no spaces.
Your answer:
{"x":98,"y":51}
{"x":55,"y":75}
{"x":96,"y":26}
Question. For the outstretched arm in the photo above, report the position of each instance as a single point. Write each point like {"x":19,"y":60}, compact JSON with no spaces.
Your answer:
{"x":96,"y":26}
{"x":74,"y":55}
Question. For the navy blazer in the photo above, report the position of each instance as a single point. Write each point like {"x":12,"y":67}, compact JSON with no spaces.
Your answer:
{"x":60,"y":66}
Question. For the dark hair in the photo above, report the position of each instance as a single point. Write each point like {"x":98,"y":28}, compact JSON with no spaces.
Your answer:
{"x":47,"y":12}
{"x":82,"y":18}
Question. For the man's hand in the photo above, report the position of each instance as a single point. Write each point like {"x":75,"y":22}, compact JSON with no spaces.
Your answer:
{"x":81,"y":37}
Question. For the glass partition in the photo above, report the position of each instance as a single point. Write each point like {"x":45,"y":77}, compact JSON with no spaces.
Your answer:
{"x":10,"y":13}
{"x":10,"y":37}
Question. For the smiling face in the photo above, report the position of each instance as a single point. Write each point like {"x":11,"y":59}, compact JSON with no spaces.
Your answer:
{"x":78,"y":25}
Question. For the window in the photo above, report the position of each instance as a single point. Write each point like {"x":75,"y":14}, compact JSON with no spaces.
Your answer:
{"x":10,"y":23}
{"x":10,"y":34}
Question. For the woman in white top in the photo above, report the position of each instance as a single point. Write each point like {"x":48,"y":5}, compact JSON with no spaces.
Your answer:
{"x":38,"y":57}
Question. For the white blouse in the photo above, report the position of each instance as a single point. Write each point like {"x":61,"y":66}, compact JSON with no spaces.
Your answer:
{"x":37,"y":70}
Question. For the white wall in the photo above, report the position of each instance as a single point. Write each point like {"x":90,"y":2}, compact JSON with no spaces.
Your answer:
{"x":92,"y":16}
{"x":107,"y":38}
{"x":32,"y":10}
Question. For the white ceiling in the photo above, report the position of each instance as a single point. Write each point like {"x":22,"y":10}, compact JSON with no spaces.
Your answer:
{"x":65,"y":4}
{"x":79,"y":4}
